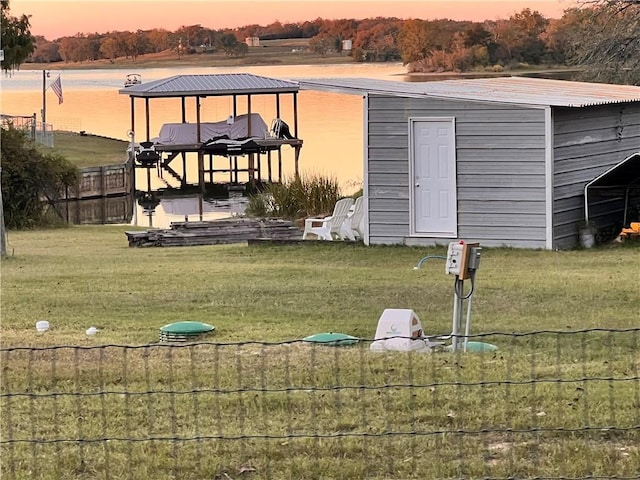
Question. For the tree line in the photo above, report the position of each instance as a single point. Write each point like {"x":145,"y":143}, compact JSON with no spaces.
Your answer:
{"x":602,"y":37}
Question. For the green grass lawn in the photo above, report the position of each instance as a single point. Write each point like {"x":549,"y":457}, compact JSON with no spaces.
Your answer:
{"x":87,"y":275}
{"x":548,"y":405}
{"x":88,"y":150}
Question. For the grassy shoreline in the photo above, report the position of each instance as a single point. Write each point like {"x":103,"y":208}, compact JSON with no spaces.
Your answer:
{"x":88,"y":150}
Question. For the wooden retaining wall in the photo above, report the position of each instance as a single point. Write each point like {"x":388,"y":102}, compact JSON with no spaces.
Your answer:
{"x":105,"y":181}
{"x":102,"y":196}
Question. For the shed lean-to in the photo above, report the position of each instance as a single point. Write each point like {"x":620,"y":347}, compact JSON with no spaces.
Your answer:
{"x":500,"y":161}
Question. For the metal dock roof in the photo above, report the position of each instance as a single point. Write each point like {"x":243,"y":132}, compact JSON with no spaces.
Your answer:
{"x":511,"y":90}
{"x":210,"y":85}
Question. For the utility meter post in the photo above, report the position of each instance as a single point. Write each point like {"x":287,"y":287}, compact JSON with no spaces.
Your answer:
{"x":463,"y":260}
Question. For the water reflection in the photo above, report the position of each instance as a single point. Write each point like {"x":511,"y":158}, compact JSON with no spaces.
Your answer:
{"x":155,"y":208}
{"x":148,"y":201}
{"x":158,"y":209}
{"x":97,"y":211}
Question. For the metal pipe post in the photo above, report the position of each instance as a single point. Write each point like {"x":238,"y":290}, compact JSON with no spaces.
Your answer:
{"x":44,"y":97}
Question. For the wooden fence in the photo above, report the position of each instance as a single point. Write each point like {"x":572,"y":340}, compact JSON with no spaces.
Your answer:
{"x":105,"y":181}
{"x":103,"y":195}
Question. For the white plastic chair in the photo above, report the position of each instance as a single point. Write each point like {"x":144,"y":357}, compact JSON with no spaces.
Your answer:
{"x":329,"y":227}
{"x":352,"y":225}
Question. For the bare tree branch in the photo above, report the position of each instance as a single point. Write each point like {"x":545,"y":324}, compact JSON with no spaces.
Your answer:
{"x":608,"y":46}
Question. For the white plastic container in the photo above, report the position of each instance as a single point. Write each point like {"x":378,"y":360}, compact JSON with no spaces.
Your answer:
{"x":399,"y":329}
{"x":42,"y":326}
{"x":91,"y":331}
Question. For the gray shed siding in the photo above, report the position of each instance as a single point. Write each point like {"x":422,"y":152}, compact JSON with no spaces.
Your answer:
{"x":500,"y":152}
{"x":586,"y":142}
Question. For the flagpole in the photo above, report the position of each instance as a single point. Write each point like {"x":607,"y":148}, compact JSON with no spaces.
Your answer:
{"x":44,"y":98}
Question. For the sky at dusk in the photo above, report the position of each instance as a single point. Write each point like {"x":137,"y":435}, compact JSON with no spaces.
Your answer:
{"x":54,"y":19}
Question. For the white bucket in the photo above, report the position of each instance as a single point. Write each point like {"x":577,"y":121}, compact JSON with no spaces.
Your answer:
{"x":587,"y":239}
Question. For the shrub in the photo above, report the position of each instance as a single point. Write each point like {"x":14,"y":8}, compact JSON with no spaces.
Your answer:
{"x":297,"y":197}
{"x":31,"y":180}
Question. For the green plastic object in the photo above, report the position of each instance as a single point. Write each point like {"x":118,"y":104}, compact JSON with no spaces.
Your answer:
{"x":184,"y":331}
{"x":332,"y":339}
{"x":481,"y":347}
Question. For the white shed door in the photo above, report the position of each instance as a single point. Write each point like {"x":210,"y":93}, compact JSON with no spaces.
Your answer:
{"x":434,"y":202}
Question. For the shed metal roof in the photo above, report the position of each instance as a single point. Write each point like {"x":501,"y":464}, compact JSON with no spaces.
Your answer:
{"x":511,"y":90}
{"x":210,"y":85}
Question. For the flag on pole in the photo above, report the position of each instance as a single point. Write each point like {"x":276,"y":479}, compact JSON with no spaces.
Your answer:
{"x":56,"y":86}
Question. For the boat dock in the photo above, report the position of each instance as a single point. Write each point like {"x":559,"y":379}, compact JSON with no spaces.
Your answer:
{"x":249,"y":146}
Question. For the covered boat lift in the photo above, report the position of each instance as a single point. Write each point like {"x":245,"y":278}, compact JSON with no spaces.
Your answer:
{"x":195,"y":137}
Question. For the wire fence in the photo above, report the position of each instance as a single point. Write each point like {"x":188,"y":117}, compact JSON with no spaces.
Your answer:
{"x":543,"y":405}
{"x":40,"y":132}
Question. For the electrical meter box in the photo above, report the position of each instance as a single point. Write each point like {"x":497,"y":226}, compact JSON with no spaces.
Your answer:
{"x":454,"y":258}
{"x":462,"y":258}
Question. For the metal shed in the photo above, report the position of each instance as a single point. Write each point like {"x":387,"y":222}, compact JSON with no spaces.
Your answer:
{"x":501,"y":161}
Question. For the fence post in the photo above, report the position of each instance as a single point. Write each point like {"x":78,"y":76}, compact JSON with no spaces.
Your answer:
{"x":3,"y":235}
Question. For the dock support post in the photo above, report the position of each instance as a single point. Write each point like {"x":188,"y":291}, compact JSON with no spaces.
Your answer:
{"x":201,"y":172}
{"x":297,"y":160}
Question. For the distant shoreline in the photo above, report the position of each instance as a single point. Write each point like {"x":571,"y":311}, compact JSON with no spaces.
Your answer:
{"x":552,"y":71}
{"x":257,"y":58}
{"x":169,"y":59}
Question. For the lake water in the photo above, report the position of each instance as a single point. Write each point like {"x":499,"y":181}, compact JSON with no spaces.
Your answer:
{"x":331,"y":125}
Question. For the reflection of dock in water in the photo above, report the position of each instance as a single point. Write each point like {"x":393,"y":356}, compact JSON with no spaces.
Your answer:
{"x":98,"y":211}
{"x":162,"y":208}
{"x":105,"y":195}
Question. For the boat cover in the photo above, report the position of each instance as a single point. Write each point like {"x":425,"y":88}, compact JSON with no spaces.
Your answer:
{"x":233,"y":128}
